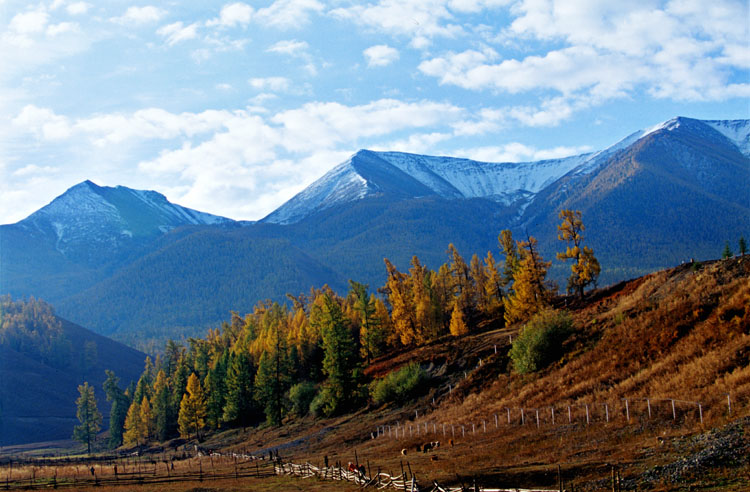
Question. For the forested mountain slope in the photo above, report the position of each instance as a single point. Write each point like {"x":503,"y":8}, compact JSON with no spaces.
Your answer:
{"x":43,"y":359}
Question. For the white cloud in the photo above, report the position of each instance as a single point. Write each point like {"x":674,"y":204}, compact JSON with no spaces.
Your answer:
{"x":233,"y":14}
{"x":136,"y":16}
{"x":684,"y":50}
{"x":290,"y":47}
{"x":78,"y":8}
{"x":177,"y":32}
{"x":43,"y":122}
{"x":34,"y":170}
{"x":274,"y":84}
{"x":380,"y":55}
{"x":286,"y":14}
{"x":30,"y":22}
{"x":419,"y":20}
{"x":518,"y":152}
{"x":61,"y":28}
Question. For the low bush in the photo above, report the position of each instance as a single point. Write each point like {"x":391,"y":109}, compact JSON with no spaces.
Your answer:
{"x":399,"y":386}
{"x":540,"y":341}
{"x":301,"y":396}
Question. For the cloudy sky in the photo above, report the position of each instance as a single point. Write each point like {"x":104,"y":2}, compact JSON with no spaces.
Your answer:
{"x":232,"y":108}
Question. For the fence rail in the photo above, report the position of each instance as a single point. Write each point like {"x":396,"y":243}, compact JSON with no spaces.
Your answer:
{"x":380,"y":480}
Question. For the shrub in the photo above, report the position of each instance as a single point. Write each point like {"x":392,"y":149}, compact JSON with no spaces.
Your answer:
{"x":301,"y":395}
{"x":399,"y":386}
{"x":540,"y":341}
{"x":318,"y":403}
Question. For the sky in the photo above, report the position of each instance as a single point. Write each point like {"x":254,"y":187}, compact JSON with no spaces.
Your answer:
{"x":232,"y":108}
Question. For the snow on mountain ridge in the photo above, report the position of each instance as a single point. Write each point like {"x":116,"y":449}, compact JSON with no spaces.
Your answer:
{"x":737,"y":131}
{"x":88,"y":212}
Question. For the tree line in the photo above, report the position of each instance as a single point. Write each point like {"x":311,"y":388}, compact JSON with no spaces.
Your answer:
{"x":308,"y":355}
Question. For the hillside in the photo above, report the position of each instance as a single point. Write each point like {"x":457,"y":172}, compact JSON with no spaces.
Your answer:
{"x":43,"y":359}
{"x":680,"y":334}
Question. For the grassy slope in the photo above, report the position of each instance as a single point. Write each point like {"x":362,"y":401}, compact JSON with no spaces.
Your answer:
{"x":682,"y":333}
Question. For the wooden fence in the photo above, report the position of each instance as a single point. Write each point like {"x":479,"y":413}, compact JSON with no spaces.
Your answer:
{"x":381,"y":480}
{"x":54,"y":474}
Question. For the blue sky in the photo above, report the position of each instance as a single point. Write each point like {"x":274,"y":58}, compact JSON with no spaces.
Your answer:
{"x":232,"y":108}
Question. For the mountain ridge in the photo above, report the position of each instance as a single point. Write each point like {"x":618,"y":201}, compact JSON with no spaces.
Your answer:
{"x":655,"y":198}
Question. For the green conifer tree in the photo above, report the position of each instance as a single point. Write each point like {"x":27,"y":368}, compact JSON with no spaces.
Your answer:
{"x":341,"y":364}
{"x":88,"y":415}
{"x":240,"y":408}
{"x":727,"y":253}
{"x":119,"y":409}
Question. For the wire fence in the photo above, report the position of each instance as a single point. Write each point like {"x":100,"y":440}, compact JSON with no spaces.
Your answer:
{"x":626,"y":410}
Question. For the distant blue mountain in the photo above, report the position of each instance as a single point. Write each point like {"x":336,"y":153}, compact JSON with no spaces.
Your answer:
{"x":129,"y":263}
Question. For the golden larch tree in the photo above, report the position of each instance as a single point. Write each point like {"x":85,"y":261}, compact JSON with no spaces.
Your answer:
{"x":191,"y":418}
{"x":585,"y":269}
{"x":531,"y":292}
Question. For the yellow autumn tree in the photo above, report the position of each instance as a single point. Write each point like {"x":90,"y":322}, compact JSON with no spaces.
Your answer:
{"x":493,"y":286}
{"x":402,"y":304}
{"x":458,"y":325}
{"x":585,"y":268}
{"x":147,"y":418}
{"x":134,"y":431}
{"x":191,"y":418}
{"x":531,"y":292}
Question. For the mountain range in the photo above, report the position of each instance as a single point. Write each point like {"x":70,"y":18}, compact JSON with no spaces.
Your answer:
{"x":130,"y":264}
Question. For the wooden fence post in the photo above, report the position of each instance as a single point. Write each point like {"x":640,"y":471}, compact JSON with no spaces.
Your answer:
{"x":508,"y":409}
{"x":700,"y":412}
{"x":674,"y":413}
{"x":552,"y":411}
{"x":537,"y":418}
{"x":729,"y":404}
{"x":627,"y":410}
{"x":569,"y":419}
{"x":496,"y":424}
{"x":606,"y":410}
{"x":648,"y":404}
{"x":522,"y":419}
{"x":587,"y":414}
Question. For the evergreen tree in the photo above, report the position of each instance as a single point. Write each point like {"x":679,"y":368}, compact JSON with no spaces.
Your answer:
{"x":585,"y":269}
{"x":191,"y":418}
{"x":493,"y":286}
{"x":161,"y":407}
{"x":240,"y":408}
{"x":531,"y":293}
{"x":743,"y":246}
{"x":341,"y":362}
{"x":458,"y":325}
{"x":216,"y":391}
{"x":88,"y":415}
{"x":119,"y":409}
{"x":273,"y":378}
{"x":178,"y":386}
{"x":727,"y":253}
{"x":512,"y":258}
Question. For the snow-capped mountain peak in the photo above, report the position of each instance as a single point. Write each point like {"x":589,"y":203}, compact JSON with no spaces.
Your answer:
{"x":88,"y":213}
{"x":412,"y":175}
